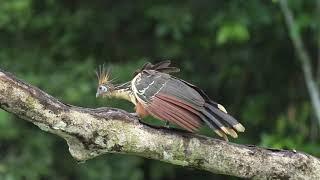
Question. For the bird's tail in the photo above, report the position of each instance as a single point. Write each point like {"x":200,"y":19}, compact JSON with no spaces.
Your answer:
{"x":217,"y":118}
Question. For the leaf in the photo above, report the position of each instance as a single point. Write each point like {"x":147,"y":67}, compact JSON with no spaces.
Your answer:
{"x":232,"y":32}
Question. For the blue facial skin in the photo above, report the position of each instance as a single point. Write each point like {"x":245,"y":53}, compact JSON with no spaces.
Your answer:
{"x":102,"y":89}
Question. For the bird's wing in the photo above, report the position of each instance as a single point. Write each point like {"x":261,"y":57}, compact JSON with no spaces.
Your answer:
{"x":171,"y":99}
{"x":148,"y":87}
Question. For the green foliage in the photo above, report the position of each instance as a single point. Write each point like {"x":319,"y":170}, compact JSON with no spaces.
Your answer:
{"x":13,"y":14}
{"x":232,"y":32}
{"x":237,"y":51}
{"x":171,"y":21}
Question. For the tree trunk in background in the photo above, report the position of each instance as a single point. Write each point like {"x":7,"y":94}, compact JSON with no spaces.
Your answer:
{"x":303,"y":57}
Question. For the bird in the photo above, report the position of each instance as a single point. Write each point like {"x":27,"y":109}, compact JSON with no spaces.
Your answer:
{"x":155,"y":91}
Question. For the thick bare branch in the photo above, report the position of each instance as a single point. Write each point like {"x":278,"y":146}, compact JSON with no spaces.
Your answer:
{"x":303,"y":57}
{"x":92,"y":132}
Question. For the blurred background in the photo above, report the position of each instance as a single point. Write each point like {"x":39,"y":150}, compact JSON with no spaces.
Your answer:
{"x":239,"y":52}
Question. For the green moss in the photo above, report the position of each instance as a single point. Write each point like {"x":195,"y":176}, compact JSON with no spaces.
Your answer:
{"x":30,"y":102}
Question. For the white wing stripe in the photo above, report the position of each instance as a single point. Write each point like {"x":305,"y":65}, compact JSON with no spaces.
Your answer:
{"x":144,"y":90}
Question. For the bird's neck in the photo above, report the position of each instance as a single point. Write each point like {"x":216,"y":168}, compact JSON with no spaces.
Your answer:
{"x":124,"y":91}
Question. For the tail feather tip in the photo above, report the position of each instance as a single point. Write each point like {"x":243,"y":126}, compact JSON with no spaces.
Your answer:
{"x":233,"y":133}
{"x":222,"y":108}
{"x":221,"y":134}
{"x":239,"y":127}
{"x":229,"y":131}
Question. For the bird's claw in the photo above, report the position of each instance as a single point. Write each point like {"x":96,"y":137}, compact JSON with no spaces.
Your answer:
{"x":166,"y":126}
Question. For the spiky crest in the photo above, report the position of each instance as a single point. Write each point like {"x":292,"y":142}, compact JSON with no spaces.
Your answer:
{"x":103,"y":75}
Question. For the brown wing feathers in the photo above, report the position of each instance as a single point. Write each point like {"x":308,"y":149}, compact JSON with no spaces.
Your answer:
{"x":196,"y":114}
{"x":219,"y":112}
{"x":199,"y":114}
{"x":180,"y":102}
{"x":175,"y":114}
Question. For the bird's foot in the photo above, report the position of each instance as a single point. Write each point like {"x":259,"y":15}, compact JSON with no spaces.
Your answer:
{"x":151,"y":125}
{"x":166,"y":126}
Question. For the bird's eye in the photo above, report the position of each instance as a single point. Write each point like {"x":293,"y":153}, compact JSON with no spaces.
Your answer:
{"x":103,"y":88}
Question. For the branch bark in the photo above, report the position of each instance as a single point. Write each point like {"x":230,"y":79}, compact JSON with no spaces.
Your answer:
{"x":303,"y":57}
{"x":92,"y":132}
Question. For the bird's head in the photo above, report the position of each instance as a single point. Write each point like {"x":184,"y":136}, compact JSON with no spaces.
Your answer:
{"x":105,"y":87}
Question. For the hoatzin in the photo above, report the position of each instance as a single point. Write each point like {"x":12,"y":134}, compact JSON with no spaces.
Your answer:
{"x":155,"y":92}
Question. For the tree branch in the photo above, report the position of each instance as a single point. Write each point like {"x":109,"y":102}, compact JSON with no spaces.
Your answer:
{"x":303,"y":57}
{"x":92,"y":132}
